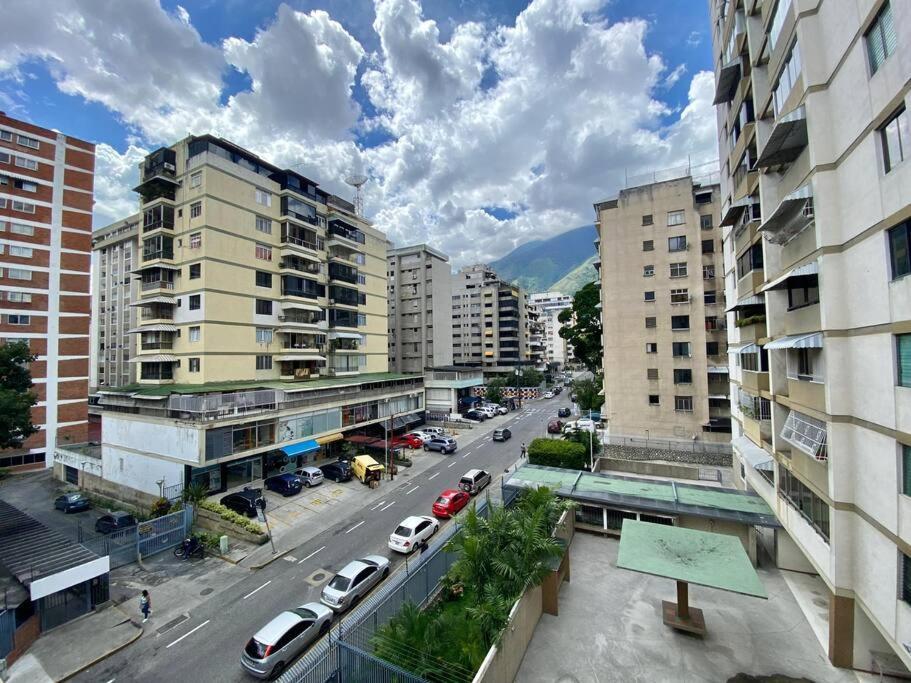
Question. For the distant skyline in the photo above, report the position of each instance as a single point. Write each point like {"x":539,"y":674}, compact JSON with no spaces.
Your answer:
{"x":481,"y":125}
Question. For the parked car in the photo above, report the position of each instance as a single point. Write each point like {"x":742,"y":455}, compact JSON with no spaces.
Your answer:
{"x":572,"y":397}
{"x":548,"y":394}
{"x":408,"y":441}
{"x":557,"y":389}
{"x":337,"y":471}
{"x":443,"y":444}
{"x":420,"y":434}
{"x":434,"y":431}
{"x":554,"y":427}
{"x":279,"y":642}
{"x":488,"y":410}
{"x":473,"y":481}
{"x":474,"y":414}
{"x":114,"y":522}
{"x":72,"y":502}
{"x":353,"y":582}
{"x":286,"y":484}
{"x":244,"y":502}
{"x":564,"y":412}
{"x":410,"y":532}
{"x":449,"y":503}
{"x":502,"y":410}
{"x":586,"y":424}
{"x":311,"y":476}
{"x":502,"y":434}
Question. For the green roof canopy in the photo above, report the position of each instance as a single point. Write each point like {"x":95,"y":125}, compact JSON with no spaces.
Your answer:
{"x":699,"y":557}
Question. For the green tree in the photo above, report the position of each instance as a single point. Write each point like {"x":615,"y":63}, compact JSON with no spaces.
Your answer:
{"x":587,"y":394}
{"x":582,"y":327}
{"x":16,"y":400}
{"x":495,"y":387}
{"x":529,"y":377}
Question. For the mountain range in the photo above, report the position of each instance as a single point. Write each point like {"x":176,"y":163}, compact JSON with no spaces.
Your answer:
{"x":561,"y":263}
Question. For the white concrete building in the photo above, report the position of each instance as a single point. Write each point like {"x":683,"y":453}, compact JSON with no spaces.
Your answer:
{"x":814,"y":140}
{"x":549,"y":305}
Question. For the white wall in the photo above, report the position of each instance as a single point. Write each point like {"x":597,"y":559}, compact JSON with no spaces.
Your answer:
{"x":162,"y":438}
{"x":139,"y":471}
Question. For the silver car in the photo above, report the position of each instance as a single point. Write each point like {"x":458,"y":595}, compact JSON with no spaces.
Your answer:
{"x":354,"y":581}
{"x":279,"y":642}
{"x":311,"y":476}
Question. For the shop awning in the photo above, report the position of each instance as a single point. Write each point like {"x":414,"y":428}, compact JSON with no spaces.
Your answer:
{"x":157,"y":358}
{"x":734,"y":210}
{"x":303,"y":355}
{"x":155,"y":300}
{"x":405,"y":420}
{"x":806,"y":270}
{"x":301,"y":447}
{"x":754,"y":300}
{"x":331,"y":438}
{"x":345,"y":335}
{"x":787,"y":141}
{"x":798,"y":341}
{"x":728,"y":78}
{"x":158,"y":327}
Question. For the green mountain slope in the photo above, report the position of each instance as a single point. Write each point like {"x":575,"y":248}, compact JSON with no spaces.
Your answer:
{"x":537,"y":265}
{"x":573,"y":281}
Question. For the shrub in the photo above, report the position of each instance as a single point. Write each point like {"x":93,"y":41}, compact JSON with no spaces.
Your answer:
{"x":209,"y":539}
{"x":160,"y":508}
{"x":233,"y":517}
{"x":751,"y":320}
{"x":556,"y":453}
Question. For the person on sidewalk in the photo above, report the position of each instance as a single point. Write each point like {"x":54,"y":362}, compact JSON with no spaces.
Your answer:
{"x":524,"y":451}
{"x":145,"y":605}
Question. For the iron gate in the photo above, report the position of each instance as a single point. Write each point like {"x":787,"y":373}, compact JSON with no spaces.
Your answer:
{"x":164,"y":532}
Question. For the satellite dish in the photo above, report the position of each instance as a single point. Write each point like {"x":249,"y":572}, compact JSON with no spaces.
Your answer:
{"x":356,"y":180}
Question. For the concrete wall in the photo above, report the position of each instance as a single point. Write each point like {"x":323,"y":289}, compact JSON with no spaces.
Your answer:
{"x":502,"y":662}
{"x":655,"y":469}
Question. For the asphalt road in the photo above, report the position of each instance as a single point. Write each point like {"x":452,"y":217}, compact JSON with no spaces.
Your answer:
{"x":207,"y":645}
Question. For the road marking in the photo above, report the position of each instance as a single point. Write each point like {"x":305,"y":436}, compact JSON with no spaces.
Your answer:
{"x":385,"y":508}
{"x":432,"y":476}
{"x":464,"y":456}
{"x":256,"y":591}
{"x":189,"y":633}
{"x":452,"y":464}
{"x":382,"y":502}
{"x":356,"y":526}
{"x":408,"y":493}
{"x":311,"y":555}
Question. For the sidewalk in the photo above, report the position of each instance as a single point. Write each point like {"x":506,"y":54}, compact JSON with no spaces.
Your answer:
{"x":53,"y":657}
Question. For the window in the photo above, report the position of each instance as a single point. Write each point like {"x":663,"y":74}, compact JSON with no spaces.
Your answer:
{"x":651,"y":322}
{"x":683,"y":376}
{"x":654,"y":400}
{"x":805,"y":433}
{"x":263,"y":279}
{"x":680,"y":349}
{"x":899,"y":249}
{"x":750,"y":260}
{"x":263,"y":252}
{"x":195,"y":271}
{"x":264,"y":362}
{"x":195,"y":209}
{"x":651,"y":347}
{"x":680,"y":296}
{"x":805,"y":295}
{"x":18,"y":297}
{"x":781,"y":13}
{"x":30,"y":164}
{"x":18,"y":319}
{"x":676,"y":243}
{"x":675,"y":218}
{"x":263,"y":197}
{"x":18,"y":274}
{"x":651,"y":373}
{"x":263,"y":335}
{"x":28,"y":142}
{"x":20,"y":229}
{"x":196,"y":179}
{"x":711,"y":322}
{"x":25,"y":186}
{"x":263,"y":307}
{"x":711,"y":348}
{"x":708,"y":246}
{"x":195,"y":240}
{"x":680,"y":322}
{"x":194,"y":365}
{"x":5,"y":157}
{"x":906,"y":578}
{"x":649,"y":296}
{"x":790,"y":72}
{"x":705,"y":222}
{"x":648,"y":271}
{"x":648,"y":245}
{"x":6,"y":136}
{"x":264,"y":225}
{"x":678,"y":269}
{"x":24,"y":207}
{"x":896,"y":139}
{"x":704,"y":198}
{"x":811,"y":507}
{"x":881,"y":38}
{"x":903,"y":355}
{"x":710,"y":297}
{"x":195,"y":302}
{"x":906,"y":469}
{"x":683,"y":404}
{"x":194,"y":333}
{"x":24,"y":252}
{"x":647,"y":220}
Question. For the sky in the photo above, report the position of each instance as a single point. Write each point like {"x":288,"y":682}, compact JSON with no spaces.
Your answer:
{"x":480,"y":124}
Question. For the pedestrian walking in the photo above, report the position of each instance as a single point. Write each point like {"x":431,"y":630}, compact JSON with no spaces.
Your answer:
{"x":145,"y":605}
{"x":423,"y":546}
{"x":524,"y":451}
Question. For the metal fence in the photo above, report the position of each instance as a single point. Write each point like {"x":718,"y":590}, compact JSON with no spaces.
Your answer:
{"x":656,"y":444}
{"x":124,"y":546}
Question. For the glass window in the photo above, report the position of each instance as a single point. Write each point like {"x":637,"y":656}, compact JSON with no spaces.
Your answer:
{"x":263,"y":279}
{"x":880,"y":38}
{"x":906,"y":578}
{"x":680,"y":322}
{"x":194,"y":365}
{"x":263,"y":307}
{"x":654,"y":400}
{"x":705,"y":222}
{"x":24,"y":207}
{"x":649,"y":296}
{"x":647,"y":219}
{"x":805,"y":295}
{"x":906,"y":469}
{"x":680,"y":296}
{"x":195,"y":302}
{"x":648,"y":271}
{"x":194,"y":333}
{"x":676,"y":243}
{"x":678,"y":269}
{"x":263,"y":335}
{"x":806,"y":434}
{"x":195,"y":240}
{"x":899,"y":250}
{"x":24,"y":252}
{"x":683,"y":376}
{"x":710,"y":297}
{"x":708,"y":272}
{"x":711,"y":348}
{"x":30,"y":164}
{"x":195,"y":209}
{"x":781,"y":13}
{"x":789,"y":74}
{"x":676,"y":218}
{"x":264,"y":362}
{"x":708,"y":246}
{"x":896,"y":139}
{"x":648,"y":245}
{"x":683,"y":404}
{"x":263,"y":252}
{"x":903,"y":354}
{"x":196,"y":179}
{"x":263,"y":197}
{"x":28,"y":142}
{"x":680,"y":349}
{"x":13,"y":319}
{"x":18,"y":274}
{"x":195,"y":271}
{"x":651,"y":322}
{"x":651,"y":347}
{"x":264,"y":225}
{"x":20,"y":229}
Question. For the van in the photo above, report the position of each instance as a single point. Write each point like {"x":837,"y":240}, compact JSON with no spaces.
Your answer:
{"x":473,"y":481}
{"x":366,"y":469}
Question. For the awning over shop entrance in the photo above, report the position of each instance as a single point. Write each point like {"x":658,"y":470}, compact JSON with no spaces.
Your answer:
{"x":300,"y":448}
{"x":331,"y":438}
{"x":405,"y":420}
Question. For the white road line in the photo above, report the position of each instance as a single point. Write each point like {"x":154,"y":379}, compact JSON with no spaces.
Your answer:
{"x":452,"y":464}
{"x":464,"y":456}
{"x":311,"y":555}
{"x":385,"y":508}
{"x":408,"y":493}
{"x":382,"y":502}
{"x":257,"y":590}
{"x":356,"y":526}
{"x":189,"y":633}
{"x":432,"y":476}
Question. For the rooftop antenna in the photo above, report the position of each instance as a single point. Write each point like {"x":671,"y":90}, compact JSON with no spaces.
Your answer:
{"x":357,"y":182}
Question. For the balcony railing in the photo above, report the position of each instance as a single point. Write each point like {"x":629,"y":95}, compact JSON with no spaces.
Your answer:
{"x":300,"y":319}
{"x":156,"y":345}
{"x":156,"y":314}
{"x":161,"y":253}
{"x":303,"y":240}
{"x":157,"y":284}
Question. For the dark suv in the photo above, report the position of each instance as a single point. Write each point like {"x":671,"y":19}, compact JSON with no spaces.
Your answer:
{"x":474,"y":415}
{"x":244,"y":502}
{"x":114,"y":522}
{"x":563,"y":412}
{"x":443,"y":444}
{"x":337,"y":471}
{"x":72,"y":502}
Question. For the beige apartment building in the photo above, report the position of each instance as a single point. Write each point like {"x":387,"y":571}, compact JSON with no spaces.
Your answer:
{"x":549,"y":305}
{"x":420,"y":309}
{"x":115,"y":288}
{"x":662,"y":309}
{"x":813,"y":132}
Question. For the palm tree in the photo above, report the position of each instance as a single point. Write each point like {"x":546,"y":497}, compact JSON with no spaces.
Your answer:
{"x":194,"y":494}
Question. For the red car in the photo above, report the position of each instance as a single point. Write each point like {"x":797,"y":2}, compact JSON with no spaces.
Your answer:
{"x":409,"y":440}
{"x":450,"y":502}
{"x":555,"y":427}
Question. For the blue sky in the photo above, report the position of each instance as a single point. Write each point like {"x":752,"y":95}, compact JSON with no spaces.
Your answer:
{"x":499,"y":121}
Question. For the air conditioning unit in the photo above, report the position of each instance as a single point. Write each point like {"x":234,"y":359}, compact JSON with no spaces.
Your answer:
{"x":170,"y":167}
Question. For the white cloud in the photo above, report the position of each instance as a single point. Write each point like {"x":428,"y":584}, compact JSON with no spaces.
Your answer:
{"x":570,"y":103}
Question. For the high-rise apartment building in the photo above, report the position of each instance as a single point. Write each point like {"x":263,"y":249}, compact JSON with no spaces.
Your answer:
{"x":662,"y":308}
{"x":420,"y":309}
{"x":549,"y":305}
{"x":489,"y":321}
{"x":814,"y":139}
{"x":114,"y":291}
{"x":46,"y":196}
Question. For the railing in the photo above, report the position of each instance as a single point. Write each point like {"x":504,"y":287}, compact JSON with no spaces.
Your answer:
{"x":304,"y":347}
{"x":152,"y":255}
{"x":154,"y":346}
{"x":159,"y":314}
{"x":300,"y":320}
{"x":157,"y":284}
{"x":318,"y":245}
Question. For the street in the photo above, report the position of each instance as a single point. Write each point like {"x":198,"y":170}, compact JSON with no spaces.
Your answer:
{"x":207,"y":643}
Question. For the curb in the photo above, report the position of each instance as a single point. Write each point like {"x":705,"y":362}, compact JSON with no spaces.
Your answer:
{"x":139,"y":632}
{"x":278,"y":556}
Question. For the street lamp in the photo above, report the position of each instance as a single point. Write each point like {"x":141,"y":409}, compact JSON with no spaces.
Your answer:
{"x":591,"y":447}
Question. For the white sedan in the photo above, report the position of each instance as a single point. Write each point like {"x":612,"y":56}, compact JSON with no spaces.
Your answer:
{"x":411,"y":532}
{"x":548,"y":394}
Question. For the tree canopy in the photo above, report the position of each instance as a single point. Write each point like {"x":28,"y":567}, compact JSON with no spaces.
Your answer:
{"x":582,"y":327}
{"x":587,"y":394}
{"x":16,"y":400}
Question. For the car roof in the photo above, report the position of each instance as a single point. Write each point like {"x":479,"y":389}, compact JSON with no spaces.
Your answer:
{"x":287,"y":476}
{"x":249,"y":494}
{"x":275,"y":629}
{"x":350,"y":570}
{"x":76,"y":494}
{"x":448,"y":493}
{"x":412,"y":521}
{"x":310,"y":469}
{"x":472,"y":473}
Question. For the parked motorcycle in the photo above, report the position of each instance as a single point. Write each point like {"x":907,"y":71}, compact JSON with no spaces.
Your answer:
{"x":189,"y":548}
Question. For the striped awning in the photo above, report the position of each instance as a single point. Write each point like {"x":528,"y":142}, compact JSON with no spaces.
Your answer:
{"x":743,"y":348}
{"x":718,"y":370}
{"x":157,"y":327}
{"x":301,"y":306}
{"x":157,"y":358}
{"x":345,"y":335}
{"x":798,"y":341}
{"x":811,"y":268}
{"x":303,"y":355}
{"x":754,"y":300}
{"x":155,"y":300}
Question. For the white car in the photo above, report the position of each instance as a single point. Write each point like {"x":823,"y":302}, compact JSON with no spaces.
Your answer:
{"x":487,"y":410}
{"x":434,"y":431}
{"x":422,"y":435}
{"x":502,"y":410}
{"x":548,"y":394}
{"x":583,"y":424}
{"x":279,"y":642}
{"x":410,"y":532}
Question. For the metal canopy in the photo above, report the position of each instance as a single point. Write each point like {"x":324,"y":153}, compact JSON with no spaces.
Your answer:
{"x":158,"y":327}
{"x":756,"y":457}
{"x":157,"y":358}
{"x":728,"y":78}
{"x":787,"y":141}
{"x":718,"y":370}
{"x":791,"y":217}
{"x":155,"y":300}
{"x":303,"y":355}
{"x":754,"y":300}
{"x":798,"y":341}
{"x":806,"y":270}
{"x":734,"y":210}
{"x":345,"y":335}
{"x":306,"y":446}
{"x":703,"y":558}
{"x":301,"y":306}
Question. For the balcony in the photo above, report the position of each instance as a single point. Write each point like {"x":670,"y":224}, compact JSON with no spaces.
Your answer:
{"x":301,"y":237}
{"x":150,"y":313}
{"x":754,"y":381}
{"x":156,"y":345}
{"x":159,"y":217}
{"x":342,"y":273}
{"x":158,"y":175}
{"x":157,"y":285}
{"x":759,"y":431}
{"x":301,"y":265}
{"x":299,"y":369}
{"x":346,"y":345}
{"x":341,"y":229}
{"x":302,"y":211}
{"x":346,"y":255}
{"x":344,"y":296}
{"x":791,"y":217}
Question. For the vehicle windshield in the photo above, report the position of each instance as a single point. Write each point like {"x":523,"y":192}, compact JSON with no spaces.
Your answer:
{"x":304,"y":613}
{"x":255,"y":649}
{"x":403,"y":531}
{"x":340,"y":583}
{"x":443,"y":500}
